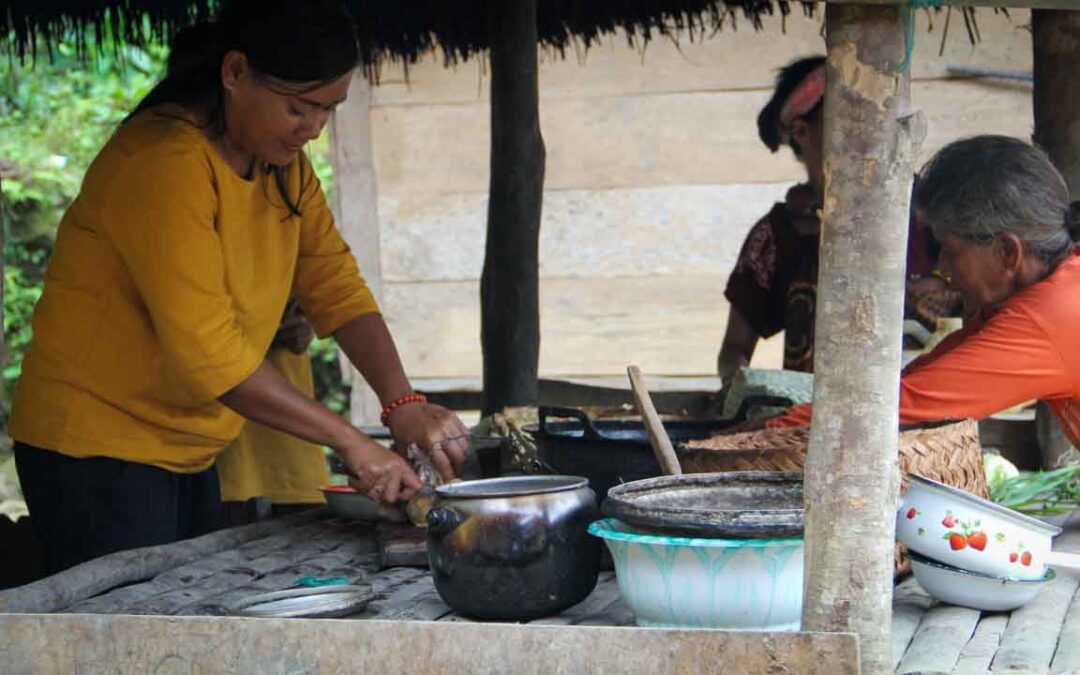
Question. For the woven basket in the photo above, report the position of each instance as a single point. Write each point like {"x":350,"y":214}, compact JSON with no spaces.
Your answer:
{"x":948,"y":452}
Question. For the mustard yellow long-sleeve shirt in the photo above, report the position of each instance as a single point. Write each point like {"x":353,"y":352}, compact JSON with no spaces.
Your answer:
{"x":262,"y":462}
{"x":167,"y":283}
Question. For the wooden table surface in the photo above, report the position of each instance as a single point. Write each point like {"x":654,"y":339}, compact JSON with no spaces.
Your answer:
{"x":928,"y":637}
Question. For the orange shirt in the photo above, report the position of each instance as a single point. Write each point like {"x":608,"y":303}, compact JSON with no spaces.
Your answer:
{"x":1027,"y":349}
{"x":165,"y":288}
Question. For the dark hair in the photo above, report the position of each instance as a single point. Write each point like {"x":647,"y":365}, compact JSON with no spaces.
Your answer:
{"x":980,"y":187}
{"x":768,"y":121}
{"x":302,"y":44}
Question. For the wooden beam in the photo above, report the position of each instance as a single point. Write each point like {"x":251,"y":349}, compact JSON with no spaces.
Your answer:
{"x":510,"y":284}
{"x":354,"y":202}
{"x":143,"y":644}
{"x":1055,"y":39}
{"x":1000,"y":4}
{"x":851,"y":469}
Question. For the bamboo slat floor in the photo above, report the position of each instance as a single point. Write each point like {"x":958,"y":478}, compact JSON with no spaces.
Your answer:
{"x":928,"y":637}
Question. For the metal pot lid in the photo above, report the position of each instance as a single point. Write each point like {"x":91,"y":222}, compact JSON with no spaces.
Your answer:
{"x":733,"y":504}
{"x":510,"y":486}
{"x":311,"y":603}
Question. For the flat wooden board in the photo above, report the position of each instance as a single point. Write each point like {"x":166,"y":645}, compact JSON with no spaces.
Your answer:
{"x":94,"y":643}
{"x":402,"y":545}
{"x":1004,"y":4}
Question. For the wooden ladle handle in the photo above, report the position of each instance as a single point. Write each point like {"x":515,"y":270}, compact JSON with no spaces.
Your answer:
{"x":661,"y":444}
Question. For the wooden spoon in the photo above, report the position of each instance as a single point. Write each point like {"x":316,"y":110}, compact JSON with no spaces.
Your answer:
{"x":661,"y":444}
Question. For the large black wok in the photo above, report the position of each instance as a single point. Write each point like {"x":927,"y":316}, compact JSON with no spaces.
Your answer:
{"x":607,"y":452}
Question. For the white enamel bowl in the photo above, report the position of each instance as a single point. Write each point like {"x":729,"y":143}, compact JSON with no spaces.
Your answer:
{"x":959,"y":529}
{"x":971,"y":589}
{"x":687,"y":582}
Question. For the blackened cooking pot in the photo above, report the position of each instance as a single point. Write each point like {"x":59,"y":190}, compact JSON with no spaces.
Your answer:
{"x":607,"y":452}
{"x":514,"y":548}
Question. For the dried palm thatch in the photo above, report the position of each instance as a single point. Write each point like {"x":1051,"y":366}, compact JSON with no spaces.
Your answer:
{"x":400,"y":29}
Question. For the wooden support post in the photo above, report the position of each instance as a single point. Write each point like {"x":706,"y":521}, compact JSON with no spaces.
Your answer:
{"x":851,"y":469}
{"x":509,"y":285}
{"x":1055,"y":39}
{"x":356,"y":210}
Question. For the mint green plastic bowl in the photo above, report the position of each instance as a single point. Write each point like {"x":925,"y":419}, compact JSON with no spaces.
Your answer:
{"x":682,"y":582}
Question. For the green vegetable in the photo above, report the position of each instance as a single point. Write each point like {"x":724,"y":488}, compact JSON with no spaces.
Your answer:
{"x":997,"y":470}
{"x":1040,"y":492}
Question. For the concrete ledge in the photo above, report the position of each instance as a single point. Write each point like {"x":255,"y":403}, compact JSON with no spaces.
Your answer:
{"x":99,"y":643}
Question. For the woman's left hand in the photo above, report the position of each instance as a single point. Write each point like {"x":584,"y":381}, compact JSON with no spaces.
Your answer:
{"x":436,"y":430}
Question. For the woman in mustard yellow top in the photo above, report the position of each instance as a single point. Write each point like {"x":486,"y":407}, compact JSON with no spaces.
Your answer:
{"x":194,"y":225}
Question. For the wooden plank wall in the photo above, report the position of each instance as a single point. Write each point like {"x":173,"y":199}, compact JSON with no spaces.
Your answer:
{"x":654,"y":175}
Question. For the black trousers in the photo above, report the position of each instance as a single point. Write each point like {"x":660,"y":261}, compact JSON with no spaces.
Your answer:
{"x":85,"y":508}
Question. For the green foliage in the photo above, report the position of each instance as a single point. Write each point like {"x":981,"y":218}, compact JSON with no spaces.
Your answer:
{"x":55,"y":116}
{"x":326,"y":370}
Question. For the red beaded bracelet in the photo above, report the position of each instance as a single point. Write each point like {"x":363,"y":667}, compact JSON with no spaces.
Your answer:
{"x":415,"y":397}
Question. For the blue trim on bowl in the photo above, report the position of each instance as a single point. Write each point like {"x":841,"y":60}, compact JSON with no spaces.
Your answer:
{"x":612,"y":528}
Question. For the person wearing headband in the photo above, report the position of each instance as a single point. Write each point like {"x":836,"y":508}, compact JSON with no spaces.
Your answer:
{"x":1001,"y":211}
{"x":773,"y":286}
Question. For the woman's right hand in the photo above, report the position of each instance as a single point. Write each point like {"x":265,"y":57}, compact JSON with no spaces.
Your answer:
{"x":379,"y":473}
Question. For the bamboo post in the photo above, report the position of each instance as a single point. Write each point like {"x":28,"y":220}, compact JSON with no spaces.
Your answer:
{"x":509,"y":285}
{"x":851,"y":469}
{"x":354,"y":202}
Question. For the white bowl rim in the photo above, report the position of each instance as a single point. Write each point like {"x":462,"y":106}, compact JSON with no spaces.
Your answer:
{"x":920,"y":559}
{"x":1003,"y":511}
{"x":605,"y":528}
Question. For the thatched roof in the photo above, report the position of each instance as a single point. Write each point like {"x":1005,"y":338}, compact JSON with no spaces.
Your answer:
{"x":390,"y":29}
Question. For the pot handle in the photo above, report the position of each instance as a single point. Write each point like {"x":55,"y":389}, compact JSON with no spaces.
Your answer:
{"x":546,"y":411}
{"x":442,"y":520}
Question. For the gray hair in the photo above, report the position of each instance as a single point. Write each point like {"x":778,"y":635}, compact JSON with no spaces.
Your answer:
{"x":980,"y":187}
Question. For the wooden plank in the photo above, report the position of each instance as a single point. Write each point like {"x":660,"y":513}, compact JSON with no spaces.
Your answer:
{"x":1003,"y":4}
{"x":671,"y":324}
{"x":1031,"y":637}
{"x":978,"y":653}
{"x":1067,"y":656}
{"x":354,"y":202}
{"x":61,"y":590}
{"x":635,"y":231}
{"x":730,"y":60}
{"x":68,"y":643}
{"x":941,"y":637}
{"x":687,"y":139}
{"x":910,"y":603}
{"x":328,"y":548}
{"x":402,"y":545}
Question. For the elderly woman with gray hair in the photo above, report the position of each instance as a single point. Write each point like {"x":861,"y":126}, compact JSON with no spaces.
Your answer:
{"x":1001,"y":213}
